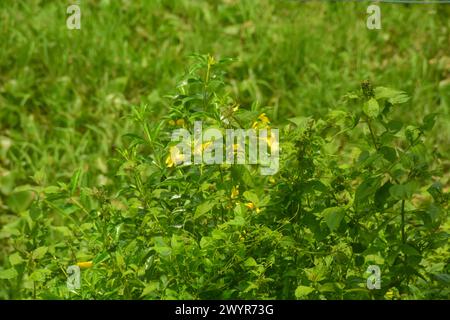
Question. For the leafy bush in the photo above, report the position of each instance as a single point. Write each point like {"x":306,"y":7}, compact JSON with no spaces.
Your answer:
{"x":355,"y":188}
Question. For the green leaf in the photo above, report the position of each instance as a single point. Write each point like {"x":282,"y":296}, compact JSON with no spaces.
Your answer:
{"x":394,"y":126}
{"x":371,"y":108}
{"x":443,"y":278}
{"x":435,"y":190}
{"x":333,"y":217}
{"x":19,"y":201}
{"x":65,"y":231}
{"x":203,"y":208}
{"x":101,"y":257}
{"x":391,"y":95}
{"x":382,"y":195}
{"x":300,"y":122}
{"x":429,"y":121}
{"x":366,"y":189}
{"x":403,"y":191}
{"x":40,"y":275}
{"x":74,"y":181}
{"x":388,"y":153}
{"x":8,"y":273}
{"x":39,"y":253}
{"x":161,"y":247}
{"x":237,"y":221}
{"x":15,"y":258}
{"x":303,"y":291}
{"x":252,"y":197}
{"x":409,"y":250}
{"x":152,"y":286}
{"x":250,"y":262}
{"x":412,"y":133}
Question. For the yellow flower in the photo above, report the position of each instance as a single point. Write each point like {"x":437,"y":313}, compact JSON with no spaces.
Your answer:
{"x":234,"y":192}
{"x":237,"y":148}
{"x":175,"y":157}
{"x":85,"y":265}
{"x":171,"y":122}
{"x":271,"y":179}
{"x":264,"y":119}
{"x":389,"y":294}
{"x":206,"y":145}
{"x":250,"y":205}
{"x":180,"y":122}
{"x":211,"y":60}
{"x":199,"y":148}
{"x":272,"y":143}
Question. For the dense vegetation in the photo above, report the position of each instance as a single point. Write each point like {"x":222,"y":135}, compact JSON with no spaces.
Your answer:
{"x":86,"y":178}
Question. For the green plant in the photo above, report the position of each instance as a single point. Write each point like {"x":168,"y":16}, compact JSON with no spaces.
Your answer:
{"x":355,"y":188}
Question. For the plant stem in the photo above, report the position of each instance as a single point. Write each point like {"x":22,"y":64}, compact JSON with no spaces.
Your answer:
{"x":403,"y":222}
{"x":372,"y":134}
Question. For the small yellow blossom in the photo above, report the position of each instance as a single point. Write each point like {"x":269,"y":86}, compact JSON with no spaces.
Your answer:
{"x":85,"y":265}
{"x":264,"y":119}
{"x":171,"y":122}
{"x":272,"y":142}
{"x":236,"y":148}
{"x":175,"y":157}
{"x":180,"y":122}
{"x":211,"y":60}
{"x":250,"y":205}
{"x":389,"y":294}
{"x":234,"y":192}
{"x":206,"y":145}
{"x":199,"y":148}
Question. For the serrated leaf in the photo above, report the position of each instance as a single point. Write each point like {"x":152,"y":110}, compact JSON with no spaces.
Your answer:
{"x":252,"y":197}
{"x":39,"y":252}
{"x":19,"y":201}
{"x":300,"y":122}
{"x":152,"y":286}
{"x":237,"y":221}
{"x":429,"y":121}
{"x":388,"y":153}
{"x":303,"y":291}
{"x":8,"y":273}
{"x":403,"y":191}
{"x":250,"y":262}
{"x":203,"y":208}
{"x":371,"y":108}
{"x":39,"y":275}
{"x":391,"y":95}
{"x":333,"y":217}
{"x":15,"y":258}
{"x":366,"y":189}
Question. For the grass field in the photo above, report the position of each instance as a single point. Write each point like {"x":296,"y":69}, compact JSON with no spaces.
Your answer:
{"x":67,"y":99}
